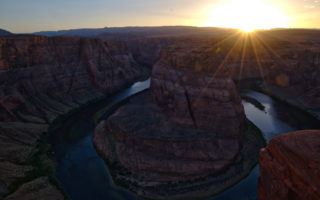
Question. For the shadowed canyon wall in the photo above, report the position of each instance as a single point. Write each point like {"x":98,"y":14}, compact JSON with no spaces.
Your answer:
{"x":42,"y":78}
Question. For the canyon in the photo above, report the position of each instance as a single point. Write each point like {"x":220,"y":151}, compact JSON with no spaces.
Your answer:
{"x":192,"y":87}
{"x":204,"y":144}
{"x":195,"y":75}
{"x":41,"y":79}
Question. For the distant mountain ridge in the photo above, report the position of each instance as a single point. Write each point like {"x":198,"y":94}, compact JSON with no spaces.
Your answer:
{"x":85,"y":32}
{"x":153,"y":31}
{"x":5,"y":32}
{"x":142,"y":31}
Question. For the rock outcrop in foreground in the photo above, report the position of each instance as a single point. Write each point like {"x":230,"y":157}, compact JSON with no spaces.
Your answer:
{"x":187,"y":138}
{"x":41,"y":79}
{"x":290,"y":167}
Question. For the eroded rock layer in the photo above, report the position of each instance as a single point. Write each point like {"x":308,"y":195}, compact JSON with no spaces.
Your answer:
{"x":285,"y":62}
{"x":148,"y":141}
{"x":290,"y":167}
{"x":42,"y":78}
{"x":199,"y":100}
{"x":157,"y":158}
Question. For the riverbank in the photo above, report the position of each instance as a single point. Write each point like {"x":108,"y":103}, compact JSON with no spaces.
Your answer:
{"x":279,"y":94}
{"x":71,"y":132}
{"x":32,"y":166}
{"x":282,"y":96}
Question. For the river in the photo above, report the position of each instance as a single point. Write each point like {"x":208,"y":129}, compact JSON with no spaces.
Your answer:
{"x":85,"y":176}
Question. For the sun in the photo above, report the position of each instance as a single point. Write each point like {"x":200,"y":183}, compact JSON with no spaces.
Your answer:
{"x":247,"y":29}
{"x":247,"y":15}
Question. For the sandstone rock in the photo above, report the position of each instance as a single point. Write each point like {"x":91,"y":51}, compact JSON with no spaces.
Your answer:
{"x":142,"y":146}
{"x":10,"y":172}
{"x":300,"y":78}
{"x":198,"y":100}
{"x":42,"y":78}
{"x":157,"y":158}
{"x":40,"y":188}
{"x":290,"y":166}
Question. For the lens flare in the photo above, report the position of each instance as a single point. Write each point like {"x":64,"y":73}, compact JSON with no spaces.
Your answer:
{"x":247,"y":15}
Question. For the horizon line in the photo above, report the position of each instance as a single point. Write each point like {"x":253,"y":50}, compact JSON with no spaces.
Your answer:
{"x":151,"y":26}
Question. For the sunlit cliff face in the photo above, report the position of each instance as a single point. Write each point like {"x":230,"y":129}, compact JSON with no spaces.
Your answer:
{"x":247,"y":15}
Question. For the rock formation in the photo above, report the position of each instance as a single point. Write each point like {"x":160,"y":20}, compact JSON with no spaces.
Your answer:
{"x":41,"y":79}
{"x":298,"y":78}
{"x":186,"y":139}
{"x":198,"y":99}
{"x":290,"y":166}
{"x":285,"y":62}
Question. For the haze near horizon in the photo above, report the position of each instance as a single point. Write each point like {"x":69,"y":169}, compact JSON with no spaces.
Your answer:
{"x":35,"y":15}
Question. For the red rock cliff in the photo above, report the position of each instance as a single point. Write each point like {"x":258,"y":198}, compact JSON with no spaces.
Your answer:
{"x":197,"y":99}
{"x":42,"y":78}
{"x":290,"y":167}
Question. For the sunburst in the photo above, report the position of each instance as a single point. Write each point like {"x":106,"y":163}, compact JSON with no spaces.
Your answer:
{"x":247,"y":15}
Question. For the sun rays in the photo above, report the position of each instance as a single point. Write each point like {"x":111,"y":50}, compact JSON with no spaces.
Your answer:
{"x":247,"y":15}
{"x":252,"y":51}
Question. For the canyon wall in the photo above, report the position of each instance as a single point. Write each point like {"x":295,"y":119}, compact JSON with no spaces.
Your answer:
{"x":290,"y":166}
{"x":42,"y":78}
{"x":286,"y":58}
{"x":285,"y":63}
{"x":295,"y":77}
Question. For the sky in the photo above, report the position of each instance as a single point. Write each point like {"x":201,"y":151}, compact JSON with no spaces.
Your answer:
{"x":25,"y":16}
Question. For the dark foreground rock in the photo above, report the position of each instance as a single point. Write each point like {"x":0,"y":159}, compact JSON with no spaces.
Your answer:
{"x":40,"y":188}
{"x":159,"y":159}
{"x":290,"y":167}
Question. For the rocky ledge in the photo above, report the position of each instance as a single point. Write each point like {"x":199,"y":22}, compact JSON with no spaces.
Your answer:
{"x":290,"y":167}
